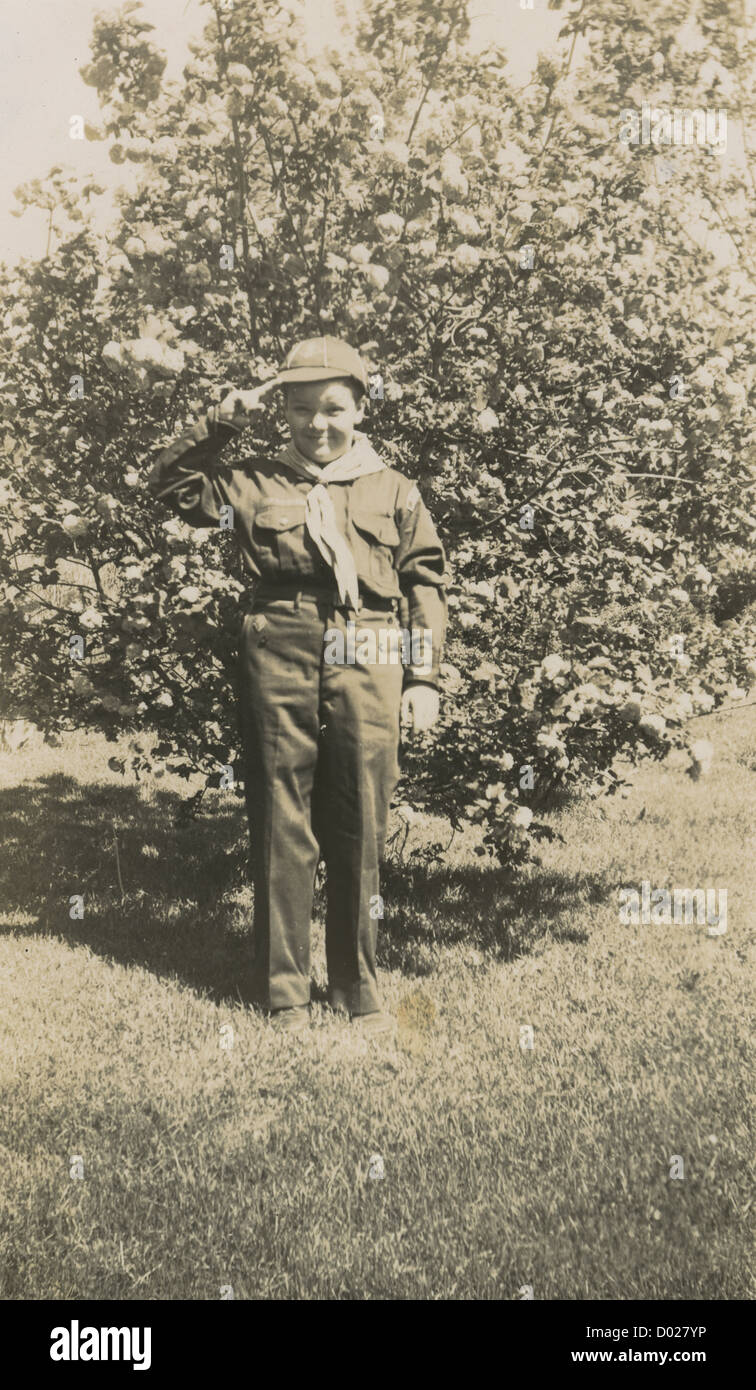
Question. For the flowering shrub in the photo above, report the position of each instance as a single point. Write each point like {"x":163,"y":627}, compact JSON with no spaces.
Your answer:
{"x":564,"y":370}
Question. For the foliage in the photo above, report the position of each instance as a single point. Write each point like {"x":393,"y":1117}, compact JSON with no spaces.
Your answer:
{"x":565,"y":371}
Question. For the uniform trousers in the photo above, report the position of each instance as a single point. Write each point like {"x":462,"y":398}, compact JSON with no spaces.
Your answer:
{"x":321,"y":763}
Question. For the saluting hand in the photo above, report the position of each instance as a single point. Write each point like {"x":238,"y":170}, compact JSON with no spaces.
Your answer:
{"x":237,"y":404}
{"x":420,"y":704}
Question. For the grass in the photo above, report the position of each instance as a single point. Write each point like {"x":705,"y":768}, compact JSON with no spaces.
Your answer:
{"x":256,"y":1165}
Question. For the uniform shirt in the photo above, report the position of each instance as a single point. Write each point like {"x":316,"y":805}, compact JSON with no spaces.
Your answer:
{"x":396,"y":548}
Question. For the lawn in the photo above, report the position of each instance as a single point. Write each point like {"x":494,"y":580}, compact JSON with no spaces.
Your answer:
{"x":159,"y":1141}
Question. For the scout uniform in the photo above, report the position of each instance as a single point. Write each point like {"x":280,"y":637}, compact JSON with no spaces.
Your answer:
{"x":324,"y":547}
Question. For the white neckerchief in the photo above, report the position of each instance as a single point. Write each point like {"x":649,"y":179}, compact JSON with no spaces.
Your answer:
{"x":320,"y":517}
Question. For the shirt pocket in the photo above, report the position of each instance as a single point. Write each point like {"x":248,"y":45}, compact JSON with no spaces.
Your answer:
{"x":278,"y":534}
{"x":377,"y":537}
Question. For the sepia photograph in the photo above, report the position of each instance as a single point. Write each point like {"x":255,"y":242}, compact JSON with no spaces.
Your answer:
{"x":378,"y":663}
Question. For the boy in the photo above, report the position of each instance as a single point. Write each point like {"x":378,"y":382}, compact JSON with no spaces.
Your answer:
{"x":332,"y":538}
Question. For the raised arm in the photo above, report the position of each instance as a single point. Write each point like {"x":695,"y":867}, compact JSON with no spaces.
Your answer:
{"x":186,"y":474}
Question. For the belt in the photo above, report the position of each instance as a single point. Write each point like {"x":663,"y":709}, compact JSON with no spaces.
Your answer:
{"x":264,"y":592}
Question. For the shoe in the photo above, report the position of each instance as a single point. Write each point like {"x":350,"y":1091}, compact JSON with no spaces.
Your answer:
{"x":373,"y":1024}
{"x":291,"y":1020}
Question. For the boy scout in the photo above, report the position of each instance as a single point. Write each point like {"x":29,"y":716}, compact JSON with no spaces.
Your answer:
{"x":330,"y":536}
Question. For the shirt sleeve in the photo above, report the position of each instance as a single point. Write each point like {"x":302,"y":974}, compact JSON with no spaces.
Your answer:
{"x":420,"y":562}
{"x":185,"y":475}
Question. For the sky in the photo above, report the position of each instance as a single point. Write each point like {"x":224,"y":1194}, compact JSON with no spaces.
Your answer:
{"x":44,"y":43}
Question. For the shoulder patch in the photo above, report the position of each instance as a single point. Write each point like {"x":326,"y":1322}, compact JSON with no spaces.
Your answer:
{"x":413,"y":497}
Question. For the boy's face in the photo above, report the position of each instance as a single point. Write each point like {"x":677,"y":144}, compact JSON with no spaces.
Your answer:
{"x":322,"y":416}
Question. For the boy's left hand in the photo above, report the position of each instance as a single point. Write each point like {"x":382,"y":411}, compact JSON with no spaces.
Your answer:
{"x":420,"y":708}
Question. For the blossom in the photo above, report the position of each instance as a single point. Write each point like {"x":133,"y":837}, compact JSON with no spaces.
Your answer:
{"x":522,"y":817}
{"x":106,"y":507}
{"x":329,"y":83}
{"x":486,"y":421}
{"x":147,"y":351}
{"x":75,"y":526}
{"x":377,"y":275}
{"x":652,"y":724}
{"x":453,"y":179}
{"x":390,"y":225}
{"x":396,"y":151}
{"x":588,"y":691}
{"x":554,"y":665}
{"x":171,"y":360}
{"x":484,"y":589}
{"x":154,"y":242}
{"x":112,"y":355}
{"x":568,"y":216}
{"x":166,"y":148}
{"x":549,"y":740}
{"x":237,"y":73}
{"x":466,"y":258}
{"x":496,"y":791}
{"x":466,"y":223}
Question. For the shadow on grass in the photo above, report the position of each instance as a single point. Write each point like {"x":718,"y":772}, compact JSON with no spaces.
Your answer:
{"x":186,"y":911}
{"x":484,"y":908}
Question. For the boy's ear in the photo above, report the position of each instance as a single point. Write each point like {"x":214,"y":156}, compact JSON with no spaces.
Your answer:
{"x":360,"y":415}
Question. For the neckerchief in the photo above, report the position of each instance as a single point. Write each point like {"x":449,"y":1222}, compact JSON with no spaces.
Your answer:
{"x":320,"y":517}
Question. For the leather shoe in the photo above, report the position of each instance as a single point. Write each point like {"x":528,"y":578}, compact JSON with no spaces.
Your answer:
{"x":291,"y":1020}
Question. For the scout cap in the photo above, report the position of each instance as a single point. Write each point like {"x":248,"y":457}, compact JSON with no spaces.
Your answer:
{"x":322,"y":359}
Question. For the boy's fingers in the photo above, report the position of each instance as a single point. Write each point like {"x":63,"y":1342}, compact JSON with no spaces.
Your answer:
{"x":252,"y":400}
{"x":242,"y":402}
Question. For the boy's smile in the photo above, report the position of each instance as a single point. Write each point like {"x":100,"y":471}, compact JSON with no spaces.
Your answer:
{"x":322,"y":416}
